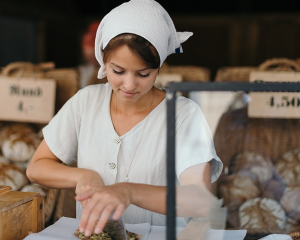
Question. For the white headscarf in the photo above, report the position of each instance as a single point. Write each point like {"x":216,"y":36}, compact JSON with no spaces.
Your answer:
{"x":145,"y":18}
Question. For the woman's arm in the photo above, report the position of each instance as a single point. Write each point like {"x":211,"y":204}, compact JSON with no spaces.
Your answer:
{"x":47,"y":170}
{"x":193,"y":198}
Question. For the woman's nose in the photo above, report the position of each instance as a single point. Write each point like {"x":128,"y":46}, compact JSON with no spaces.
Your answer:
{"x":129,"y":83}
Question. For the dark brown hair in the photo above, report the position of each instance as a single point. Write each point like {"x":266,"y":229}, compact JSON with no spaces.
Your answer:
{"x":139,"y":45}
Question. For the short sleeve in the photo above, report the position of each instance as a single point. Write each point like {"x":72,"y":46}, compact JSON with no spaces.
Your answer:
{"x":194,"y":142}
{"x":61,"y":134}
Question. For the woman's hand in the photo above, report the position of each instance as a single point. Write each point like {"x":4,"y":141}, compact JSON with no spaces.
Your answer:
{"x":103,"y":202}
{"x":88,"y":180}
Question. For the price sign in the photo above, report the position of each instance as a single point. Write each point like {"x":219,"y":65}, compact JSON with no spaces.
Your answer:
{"x":27,"y":99}
{"x":278,"y":104}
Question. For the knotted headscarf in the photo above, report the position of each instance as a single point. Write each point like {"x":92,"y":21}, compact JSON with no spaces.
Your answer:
{"x":145,"y":18}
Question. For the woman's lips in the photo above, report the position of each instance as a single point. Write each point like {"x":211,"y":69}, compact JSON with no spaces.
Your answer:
{"x":128,"y":94}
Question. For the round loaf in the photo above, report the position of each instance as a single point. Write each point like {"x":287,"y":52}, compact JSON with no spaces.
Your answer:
{"x":11,"y":129}
{"x":34,"y":187}
{"x":12,"y":175}
{"x":288,"y":167}
{"x":253,"y":165}
{"x":274,"y":189}
{"x":290,"y":202}
{"x":235,"y":190}
{"x":259,"y":214}
{"x":4,"y":159}
{"x":18,"y":142}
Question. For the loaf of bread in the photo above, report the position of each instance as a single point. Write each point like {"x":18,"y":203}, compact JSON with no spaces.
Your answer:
{"x":274,"y":189}
{"x":253,"y":165}
{"x":259,"y":214}
{"x":235,"y":190}
{"x":18,"y":143}
{"x":290,"y":202}
{"x":4,"y":159}
{"x":12,"y":175}
{"x":288,"y":167}
{"x":34,"y":187}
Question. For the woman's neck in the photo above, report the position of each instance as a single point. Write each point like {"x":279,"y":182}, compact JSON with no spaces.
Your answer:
{"x":143,"y":106}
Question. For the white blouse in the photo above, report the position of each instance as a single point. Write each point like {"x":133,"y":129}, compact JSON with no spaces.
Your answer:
{"x":82,"y":131}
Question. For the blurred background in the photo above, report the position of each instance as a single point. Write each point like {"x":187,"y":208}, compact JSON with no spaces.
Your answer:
{"x":226,"y":33}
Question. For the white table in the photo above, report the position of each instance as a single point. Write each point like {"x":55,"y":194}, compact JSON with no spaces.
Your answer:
{"x":64,"y":228}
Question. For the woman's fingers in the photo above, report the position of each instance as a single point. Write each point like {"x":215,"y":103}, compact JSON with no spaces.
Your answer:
{"x":101,"y":204}
{"x":119,"y":211}
{"x":90,"y":214}
{"x":106,"y":213}
{"x":84,"y":202}
{"x":85,"y":195}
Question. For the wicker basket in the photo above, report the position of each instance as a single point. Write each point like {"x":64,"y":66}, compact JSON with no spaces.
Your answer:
{"x":236,"y":133}
{"x":241,"y":74}
{"x":188,"y":73}
{"x":67,"y":86}
{"x":279,"y":64}
{"x":234,"y":74}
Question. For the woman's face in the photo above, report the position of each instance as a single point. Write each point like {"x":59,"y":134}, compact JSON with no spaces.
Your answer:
{"x":129,"y":76}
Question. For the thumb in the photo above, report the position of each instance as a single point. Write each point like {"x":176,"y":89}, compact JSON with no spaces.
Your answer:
{"x":85,"y":195}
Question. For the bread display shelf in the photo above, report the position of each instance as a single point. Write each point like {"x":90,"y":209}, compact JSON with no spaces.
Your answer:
{"x":21,"y":213}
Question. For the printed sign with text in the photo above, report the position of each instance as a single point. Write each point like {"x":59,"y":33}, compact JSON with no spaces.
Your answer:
{"x":274,"y":104}
{"x":27,"y":99}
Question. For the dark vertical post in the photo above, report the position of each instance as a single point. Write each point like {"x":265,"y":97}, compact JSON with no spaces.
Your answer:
{"x":171,"y":184}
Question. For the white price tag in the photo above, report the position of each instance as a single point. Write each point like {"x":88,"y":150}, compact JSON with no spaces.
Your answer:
{"x":274,"y":104}
{"x":27,"y":99}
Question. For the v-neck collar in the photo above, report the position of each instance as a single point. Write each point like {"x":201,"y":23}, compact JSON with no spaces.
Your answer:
{"x":111,"y":126}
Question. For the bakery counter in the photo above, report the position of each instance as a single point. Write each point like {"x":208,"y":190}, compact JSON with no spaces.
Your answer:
{"x":65,"y":227}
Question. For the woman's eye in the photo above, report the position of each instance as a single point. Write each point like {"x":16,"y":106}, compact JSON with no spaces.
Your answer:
{"x":117,"y":72}
{"x":144,"y":75}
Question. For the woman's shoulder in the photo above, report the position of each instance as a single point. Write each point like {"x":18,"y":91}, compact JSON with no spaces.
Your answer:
{"x":186,"y":103}
{"x":182,"y":101}
{"x":94,"y":91}
{"x":102,"y":87}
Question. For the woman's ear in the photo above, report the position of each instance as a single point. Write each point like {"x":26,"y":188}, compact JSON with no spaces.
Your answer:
{"x":157,"y":82}
{"x":158,"y":70}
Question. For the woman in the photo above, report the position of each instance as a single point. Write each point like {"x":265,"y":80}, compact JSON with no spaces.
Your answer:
{"x":116,"y":131}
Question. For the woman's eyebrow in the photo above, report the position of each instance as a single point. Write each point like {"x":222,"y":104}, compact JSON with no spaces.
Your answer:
{"x":116,"y":65}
